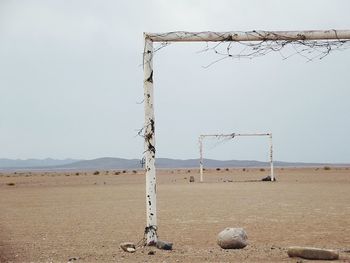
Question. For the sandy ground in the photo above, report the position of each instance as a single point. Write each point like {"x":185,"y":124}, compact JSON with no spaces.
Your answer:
{"x":64,"y":216}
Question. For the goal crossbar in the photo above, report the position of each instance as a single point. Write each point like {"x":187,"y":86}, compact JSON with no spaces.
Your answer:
{"x":183,"y":36}
{"x":233,"y":135}
{"x":207,"y":36}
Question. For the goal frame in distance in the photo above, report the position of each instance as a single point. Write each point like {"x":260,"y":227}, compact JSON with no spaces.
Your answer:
{"x":233,"y":135}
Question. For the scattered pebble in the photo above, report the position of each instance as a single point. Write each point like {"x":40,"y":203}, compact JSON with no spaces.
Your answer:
{"x":164,"y":245}
{"x":128,"y":247}
{"x":266,"y":179}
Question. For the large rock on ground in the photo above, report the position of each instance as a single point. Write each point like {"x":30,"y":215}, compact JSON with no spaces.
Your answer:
{"x":232,"y":238}
{"x":313,"y":253}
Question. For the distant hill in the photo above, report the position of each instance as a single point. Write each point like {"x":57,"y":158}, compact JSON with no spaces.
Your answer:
{"x":28,"y":163}
{"x":108,"y":163}
{"x":104,"y":163}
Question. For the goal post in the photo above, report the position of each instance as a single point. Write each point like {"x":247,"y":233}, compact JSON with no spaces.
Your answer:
{"x":181,"y":36}
{"x":233,"y":135}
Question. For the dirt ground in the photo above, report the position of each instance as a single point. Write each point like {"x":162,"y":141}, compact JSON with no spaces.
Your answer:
{"x":81,"y":217}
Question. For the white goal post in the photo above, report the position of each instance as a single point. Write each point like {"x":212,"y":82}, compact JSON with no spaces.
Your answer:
{"x":149,"y":124}
{"x":233,"y":135}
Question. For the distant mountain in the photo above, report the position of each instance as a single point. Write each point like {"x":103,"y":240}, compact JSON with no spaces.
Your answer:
{"x":108,"y":163}
{"x":28,"y":163}
{"x":104,"y":163}
{"x":210,"y":163}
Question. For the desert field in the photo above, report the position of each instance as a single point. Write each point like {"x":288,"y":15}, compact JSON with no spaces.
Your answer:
{"x":83,"y":217}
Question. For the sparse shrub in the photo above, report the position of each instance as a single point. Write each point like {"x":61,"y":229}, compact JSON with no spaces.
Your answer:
{"x":67,"y":174}
{"x":218,"y":169}
{"x":243,"y":169}
{"x":262,"y":170}
{"x":227,"y":169}
{"x":107,"y":172}
{"x":188,"y":171}
{"x":96,"y":173}
{"x":76,"y":174}
{"x":327,"y":168}
{"x":134,"y":171}
{"x":117,"y":173}
{"x":124,"y":171}
{"x":11,"y":184}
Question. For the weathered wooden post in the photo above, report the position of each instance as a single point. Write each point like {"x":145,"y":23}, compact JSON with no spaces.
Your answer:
{"x":271,"y":158}
{"x":201,"y":157}
{"x":150,"y":150}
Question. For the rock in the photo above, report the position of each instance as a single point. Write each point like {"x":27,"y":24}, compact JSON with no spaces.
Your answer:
{"x":313,"y":253}
{"x":151,"y":252}
{"x":191,"y":179}
{"x":267,"y":178}
{"x":128,"y":247}
{"x":232,"y":238}
{"x":164,"y":245}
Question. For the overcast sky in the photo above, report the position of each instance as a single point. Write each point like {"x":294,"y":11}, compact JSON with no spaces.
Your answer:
{"x":71,"y":81}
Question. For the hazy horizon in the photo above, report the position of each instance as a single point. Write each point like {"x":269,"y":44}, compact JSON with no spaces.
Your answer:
{"x":160,"y":157}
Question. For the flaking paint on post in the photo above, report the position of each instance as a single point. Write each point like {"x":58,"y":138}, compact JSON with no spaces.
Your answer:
{"x":149,"y":136}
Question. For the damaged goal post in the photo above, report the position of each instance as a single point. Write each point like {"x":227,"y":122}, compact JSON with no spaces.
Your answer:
{"x":181,"y":36}
{"x":231,"y":136}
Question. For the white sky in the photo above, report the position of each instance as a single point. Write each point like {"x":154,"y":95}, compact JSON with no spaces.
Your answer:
{"x":70,"y":80}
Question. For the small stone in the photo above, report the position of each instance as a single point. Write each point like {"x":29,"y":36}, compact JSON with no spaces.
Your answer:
{"x":266,"y":179}
{"x":313,"y":253}
{"x":164,"y":245}
{"x":232,"y":238}
{"x":128,"y":247}
{"x":191,"y":179}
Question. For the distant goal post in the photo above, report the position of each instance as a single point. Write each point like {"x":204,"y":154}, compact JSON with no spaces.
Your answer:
{"x":233,"y":135}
